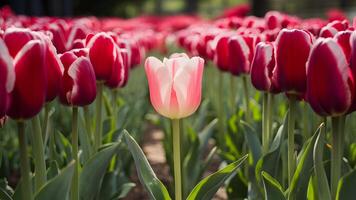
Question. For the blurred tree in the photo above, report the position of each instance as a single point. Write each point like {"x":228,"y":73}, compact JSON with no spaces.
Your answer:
{"x":191,"y":6}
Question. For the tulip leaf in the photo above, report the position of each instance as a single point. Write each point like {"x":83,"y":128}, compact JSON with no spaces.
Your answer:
{"x":299,"y":186}
{"x":148,"y":178}
{"x":252,"y":141}
{"x":206,"y":188}
{"x":346,"y":187}
{"x":320,"y":177}
{"x":94,"y":170}
{"x":57,"y":188}
{"x":53,"y":170}
{"x":273,"y":189}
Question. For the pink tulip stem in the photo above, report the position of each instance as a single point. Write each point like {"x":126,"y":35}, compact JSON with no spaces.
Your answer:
{"x":176,"y":160}
{"x":38,"y":153}
{"x":99,"y":124}
{"x":75,"y":180}
{"x":246,"y":99}
{"x":338,"y":125}
{"x":24,"y":161}
{"x":291,"y":148}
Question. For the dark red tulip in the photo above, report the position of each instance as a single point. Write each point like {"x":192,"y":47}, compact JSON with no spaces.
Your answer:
{"x":221,"y":52}
{"x":16,"y":38}
{"x":120,"y":72}
{"x":262,"y":68}
{"x":102,"y":55}
{"x":78,"y":86}
{"x":239,"y":54}
{"x":29,"y":93}
{"x":330,"y":82}
{"x":292,"y":51}
{"x":7,"y":78}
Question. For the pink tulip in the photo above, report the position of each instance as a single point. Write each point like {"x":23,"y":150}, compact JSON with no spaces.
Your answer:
{"x":175,"y":84}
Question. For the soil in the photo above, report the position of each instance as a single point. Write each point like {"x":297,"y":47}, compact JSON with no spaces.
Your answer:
{"x":153,"y":149}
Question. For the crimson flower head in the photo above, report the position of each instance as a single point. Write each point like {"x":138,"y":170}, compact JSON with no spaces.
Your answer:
{"x":78,"y":86}
{"x":262,"y":68}
{"x":292,"y":51}
{"x":7,"y":78}
{"x":102,"y":55}
{"x":29,"y":93}
{"x":121,"y":69}
{"x":221,"y":52}
{"x":330,"y":82}
{"x":239,"y":53}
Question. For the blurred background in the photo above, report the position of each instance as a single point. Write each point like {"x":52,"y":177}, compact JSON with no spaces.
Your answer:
{"x":205,"y":8}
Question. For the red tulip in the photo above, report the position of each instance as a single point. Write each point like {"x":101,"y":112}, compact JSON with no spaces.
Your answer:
{"x":7,"y":78}
{"x":292,"y":51}
{"x":262,"y":68}
{"x":343,"y":38}
{"x":78,"y":86}
{"x":353,"y":65}
{"x":330,"y":82}
{"x":239,"y":54}
{"x":120,"y":72}
{"x":221,"y":52}
{"x":16,"y":38}
{"x":102,"y":55}
{"x":29,"y":93}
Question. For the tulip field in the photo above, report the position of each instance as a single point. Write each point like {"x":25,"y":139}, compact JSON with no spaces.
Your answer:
{"x":248,"y":107}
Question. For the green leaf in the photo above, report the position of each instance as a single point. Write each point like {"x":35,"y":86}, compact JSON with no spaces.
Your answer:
{"x":346,"y":188}
{"x":299,"y":186}
{"x":125,"y":189}
{"x":273,"y":190}
{"x":321,"y":179}
{"x":148,"y":178}
{"x":58,"y":187}
{"x":53,"y":170}
{"x":252,"y":141}
{"x":206,"y":133}
{"x":94,"y":170}
{"x":207,"y":187}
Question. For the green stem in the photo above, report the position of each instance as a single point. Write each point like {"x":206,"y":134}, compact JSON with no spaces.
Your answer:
{"x":265,"y":126}
{"x":99,"y":124}
{"x":232,"y":92}
{"x":338,"y":124}
{"x":270,"y":116}
{"x":45,"y":125}
{"x":246,"y":99}
{"x":291,"y":149}
{"x":176,"y":159}
{"x":24,"y":161}
{"x":38,"y":153}
{"x":114,"y":109}
{"x":306,"y":121}
{"x":75,"y":180}
{"x":88,"y":127}
{"x":221,"y":113}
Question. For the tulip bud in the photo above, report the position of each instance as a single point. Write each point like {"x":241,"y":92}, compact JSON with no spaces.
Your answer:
{"x":329,"y":80}
{"x":78,"y":87}
{"x":29,"y":93}
{"x":292,"y":51}
{"x":262,"y":68}
{"x":175,"y":84}
{"x":7,"y":78}
{"x":16,"y":38}
{"x":353,"y":66}
{"x":239,"y":54}
{"x":221,"y":52}
{"x":102,"y":55}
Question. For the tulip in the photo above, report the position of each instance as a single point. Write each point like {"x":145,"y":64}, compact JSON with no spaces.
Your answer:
{"x":175,"y":92}
{"x":221,"y":52}
{"x":119,"y":76}
{"x":292,"y":51}
{"x":262,"y":68}
{"x":102,"y":55}
{"x":353,"y":65}
{"x":16,"y":38}
{"x":329,"y":75}
{"x":7,"y":78}
{"x":78,"y":88}
{"x":239,"y":54}
{"x":30,"y":73}
{"x":78,"y":85}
